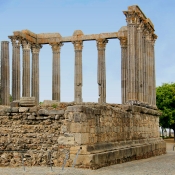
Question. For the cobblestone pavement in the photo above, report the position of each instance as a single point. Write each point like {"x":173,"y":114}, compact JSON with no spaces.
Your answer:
{"x":160,"y":165}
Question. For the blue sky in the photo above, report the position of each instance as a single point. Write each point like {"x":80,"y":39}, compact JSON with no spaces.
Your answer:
{"x":92,"y":17}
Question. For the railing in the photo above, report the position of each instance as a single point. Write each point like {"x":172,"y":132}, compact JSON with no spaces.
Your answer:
{"x":49,"y":157}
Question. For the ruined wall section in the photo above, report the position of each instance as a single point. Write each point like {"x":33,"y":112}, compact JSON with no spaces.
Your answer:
{"x":107,"y":134}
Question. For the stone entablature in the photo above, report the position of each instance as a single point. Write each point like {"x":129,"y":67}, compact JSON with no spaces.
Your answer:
{"x":107,"y":134}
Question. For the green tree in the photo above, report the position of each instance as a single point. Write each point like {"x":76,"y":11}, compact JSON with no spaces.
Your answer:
{"x":165,"y":100}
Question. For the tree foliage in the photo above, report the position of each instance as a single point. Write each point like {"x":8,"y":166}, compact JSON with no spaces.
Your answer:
{"x":165,"y":100}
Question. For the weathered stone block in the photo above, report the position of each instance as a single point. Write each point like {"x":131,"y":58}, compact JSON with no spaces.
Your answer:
{"x":127,"y":107}
{"x":2,"y":112}
{"x":79,"y":127}
{"x":62,"y":140}
{"x":14,"y":109}
{"x":7,"y":110}
{"x":76,"y":117}
{"x":14,"y":104}
{"x":97,"y":111}
{"x":27,"y":101}
{"x":23,"y":109}
{"x":31,"y":117}
{"x":57,"y":117}
{"x":33,"y":109}
{"x":75,"y":108}
{"x":50,"y":102}
{"x":43,"y":112}
{"x":63,"y":129}
{"x":55,"y":112}
{"x":83,"y":149}
{"x":82,"y":138}
{"x":39,"y":118}
{"x":82,"y":159}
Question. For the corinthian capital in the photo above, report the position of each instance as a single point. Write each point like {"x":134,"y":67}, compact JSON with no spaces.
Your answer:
{"x":101,"y":43}
{"x":56,"y":46}
{"x":132,"y":17}
{"x":78,"y":45}
{"x":123,"y":41}
{"x":26,"y":44}
{"x":15,"y":41}
{"x":36,"y":48}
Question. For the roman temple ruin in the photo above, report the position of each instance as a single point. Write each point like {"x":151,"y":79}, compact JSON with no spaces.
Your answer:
{"x":106,"y":133}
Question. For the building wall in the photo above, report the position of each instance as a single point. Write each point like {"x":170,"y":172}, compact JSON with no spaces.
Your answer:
{"x":103,"y":134}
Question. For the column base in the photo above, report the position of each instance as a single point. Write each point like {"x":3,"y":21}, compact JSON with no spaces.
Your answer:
{"x":78,"y":100}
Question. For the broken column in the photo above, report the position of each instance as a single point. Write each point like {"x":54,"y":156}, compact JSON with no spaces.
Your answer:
{"x":56,"y":71}
{"x":101,"y":72}
{"x":78,"y":82}
{"x":26,"y":69}
{"x":35,"y":71}
{"x":5,"y":73}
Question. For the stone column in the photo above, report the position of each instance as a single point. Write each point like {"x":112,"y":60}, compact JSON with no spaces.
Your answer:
{"x":139,"y":63}
{"x":123,"y":43}
{"x":145,"y":83}
{"x":101,"y":72}
{"x":132,"y":24}
{"x":5,"y":73}
{"x":148,"y":75}
{"x":56,"y":71}
{"x":78,"y":82}
{"x":153,"y":72}
{"x":35,"y":71}
{"x":15,"y":69}
{"x":150,"y":71}
{"x":26,"y":69}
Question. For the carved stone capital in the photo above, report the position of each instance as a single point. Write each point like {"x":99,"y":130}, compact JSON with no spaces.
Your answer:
{"x":153,"y":38}
{"x":101,"y":43}
{"x":123,"y":41}
{"x":78,"y":45}
{"x":26,"y":44}
{"x":141,"y":26}
{"x":36,"y":48}
{"x":132,"y":17}
{"x":15,"y":41}
{"x":56,"y":46}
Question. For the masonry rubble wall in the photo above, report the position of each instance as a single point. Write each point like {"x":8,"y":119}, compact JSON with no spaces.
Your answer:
{"x":105,"y":134}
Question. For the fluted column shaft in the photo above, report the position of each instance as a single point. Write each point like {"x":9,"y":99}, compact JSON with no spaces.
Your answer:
{"x":78,"y":80}
{"x":153,"y":72}
{"x":150,"y":72}
{"x":26,"y":69}
{"x":101,"y":71}
{"x":132,"y":94}
{"x":147,"y":78}
{"x":139,"y":66}
{"x":35,"y":71}
{"x":123,"y":43}
{"x":145,"y":89}
{"x":56,"y":71}
{"x":15,"y":69}
{"x":5,"y":73}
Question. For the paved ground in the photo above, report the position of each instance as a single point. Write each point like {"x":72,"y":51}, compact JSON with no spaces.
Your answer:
{"x":160,"y":165}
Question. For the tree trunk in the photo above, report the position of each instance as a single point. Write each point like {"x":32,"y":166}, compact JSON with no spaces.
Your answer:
{"x":162,"y":133}
{"x":170,"y":132}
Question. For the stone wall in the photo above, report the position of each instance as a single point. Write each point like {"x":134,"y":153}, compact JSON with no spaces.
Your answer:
{"x":105,"y":134}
